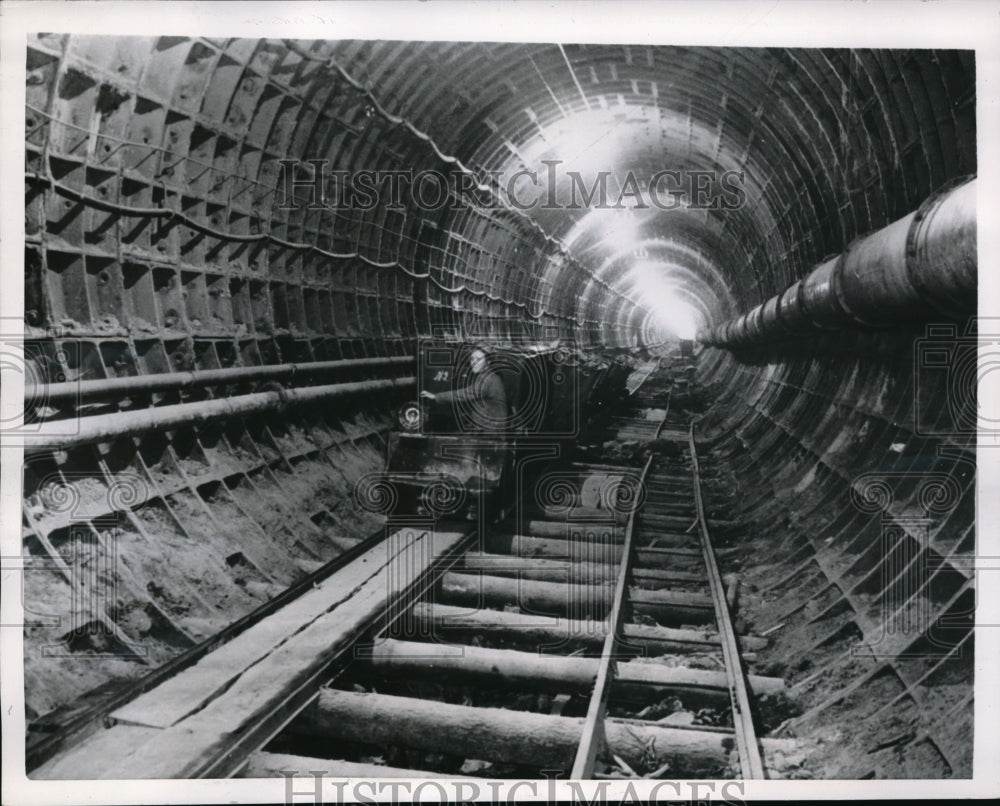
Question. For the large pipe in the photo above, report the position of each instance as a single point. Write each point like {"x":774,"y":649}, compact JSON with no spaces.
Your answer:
{"x":790,"y":313}
{"x":68,"y":433}
{"x":70,"y":391}
{"x":921,"y":265}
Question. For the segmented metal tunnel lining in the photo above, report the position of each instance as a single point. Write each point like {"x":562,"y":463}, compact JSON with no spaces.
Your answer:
{"x":833,"y":143}
{"x":845,"y":140}
{"x":828,"y":86}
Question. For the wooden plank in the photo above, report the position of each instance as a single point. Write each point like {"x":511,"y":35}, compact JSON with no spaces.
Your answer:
{"x":664,"y":539}
{"x":582,"y":514}
{"x":72,"y":728}
{"x":201,"y":739}
{"x":562,"y":570}
{"x":520,"y":737}
{"x":193,"y":688}
{"x":95,"y":757}
{"x":602,"y":531}
{"x":554,"y":547}
{"x":591,"y":467}
{"x":647,"y":553}
{"x":440,"y":619}
{"x":571,"y":599}
{"x":644,"y":672}
{"x":562,"y":548}
{"x":560,"y":673}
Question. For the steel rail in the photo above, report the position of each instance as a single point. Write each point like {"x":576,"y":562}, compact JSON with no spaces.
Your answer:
{"x":746,"y":738}
{"x":593,"y":727}
{"x":666,"y":411}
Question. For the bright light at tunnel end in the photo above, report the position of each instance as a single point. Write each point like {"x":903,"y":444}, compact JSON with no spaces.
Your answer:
{"x":674,"y":316}
{"x":670,"y":313}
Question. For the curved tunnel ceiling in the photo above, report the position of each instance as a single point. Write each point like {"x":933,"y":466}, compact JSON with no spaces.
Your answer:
{"x":818,"y":146}
{"x":831,"y":137}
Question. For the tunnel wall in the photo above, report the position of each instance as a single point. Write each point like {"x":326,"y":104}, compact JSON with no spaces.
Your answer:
{"x":855,"y":462}
{"x":157,"y":211}
{"x":852,"y":457}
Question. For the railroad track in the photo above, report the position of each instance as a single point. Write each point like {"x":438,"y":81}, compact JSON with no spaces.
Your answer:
{"x":586,"y":634}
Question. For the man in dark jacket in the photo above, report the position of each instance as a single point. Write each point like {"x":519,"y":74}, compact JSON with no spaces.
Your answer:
{"x":480,"y":406}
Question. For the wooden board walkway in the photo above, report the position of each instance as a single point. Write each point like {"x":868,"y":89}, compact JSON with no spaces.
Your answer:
{"x":174,"y":731}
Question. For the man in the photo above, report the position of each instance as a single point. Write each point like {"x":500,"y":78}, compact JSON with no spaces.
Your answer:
{"x":480,"y":406}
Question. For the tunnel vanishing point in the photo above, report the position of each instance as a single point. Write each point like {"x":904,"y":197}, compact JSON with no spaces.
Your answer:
{"x":234,"y":249}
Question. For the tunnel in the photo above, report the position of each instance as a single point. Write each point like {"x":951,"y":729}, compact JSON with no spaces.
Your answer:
{"x":234,"y":249}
